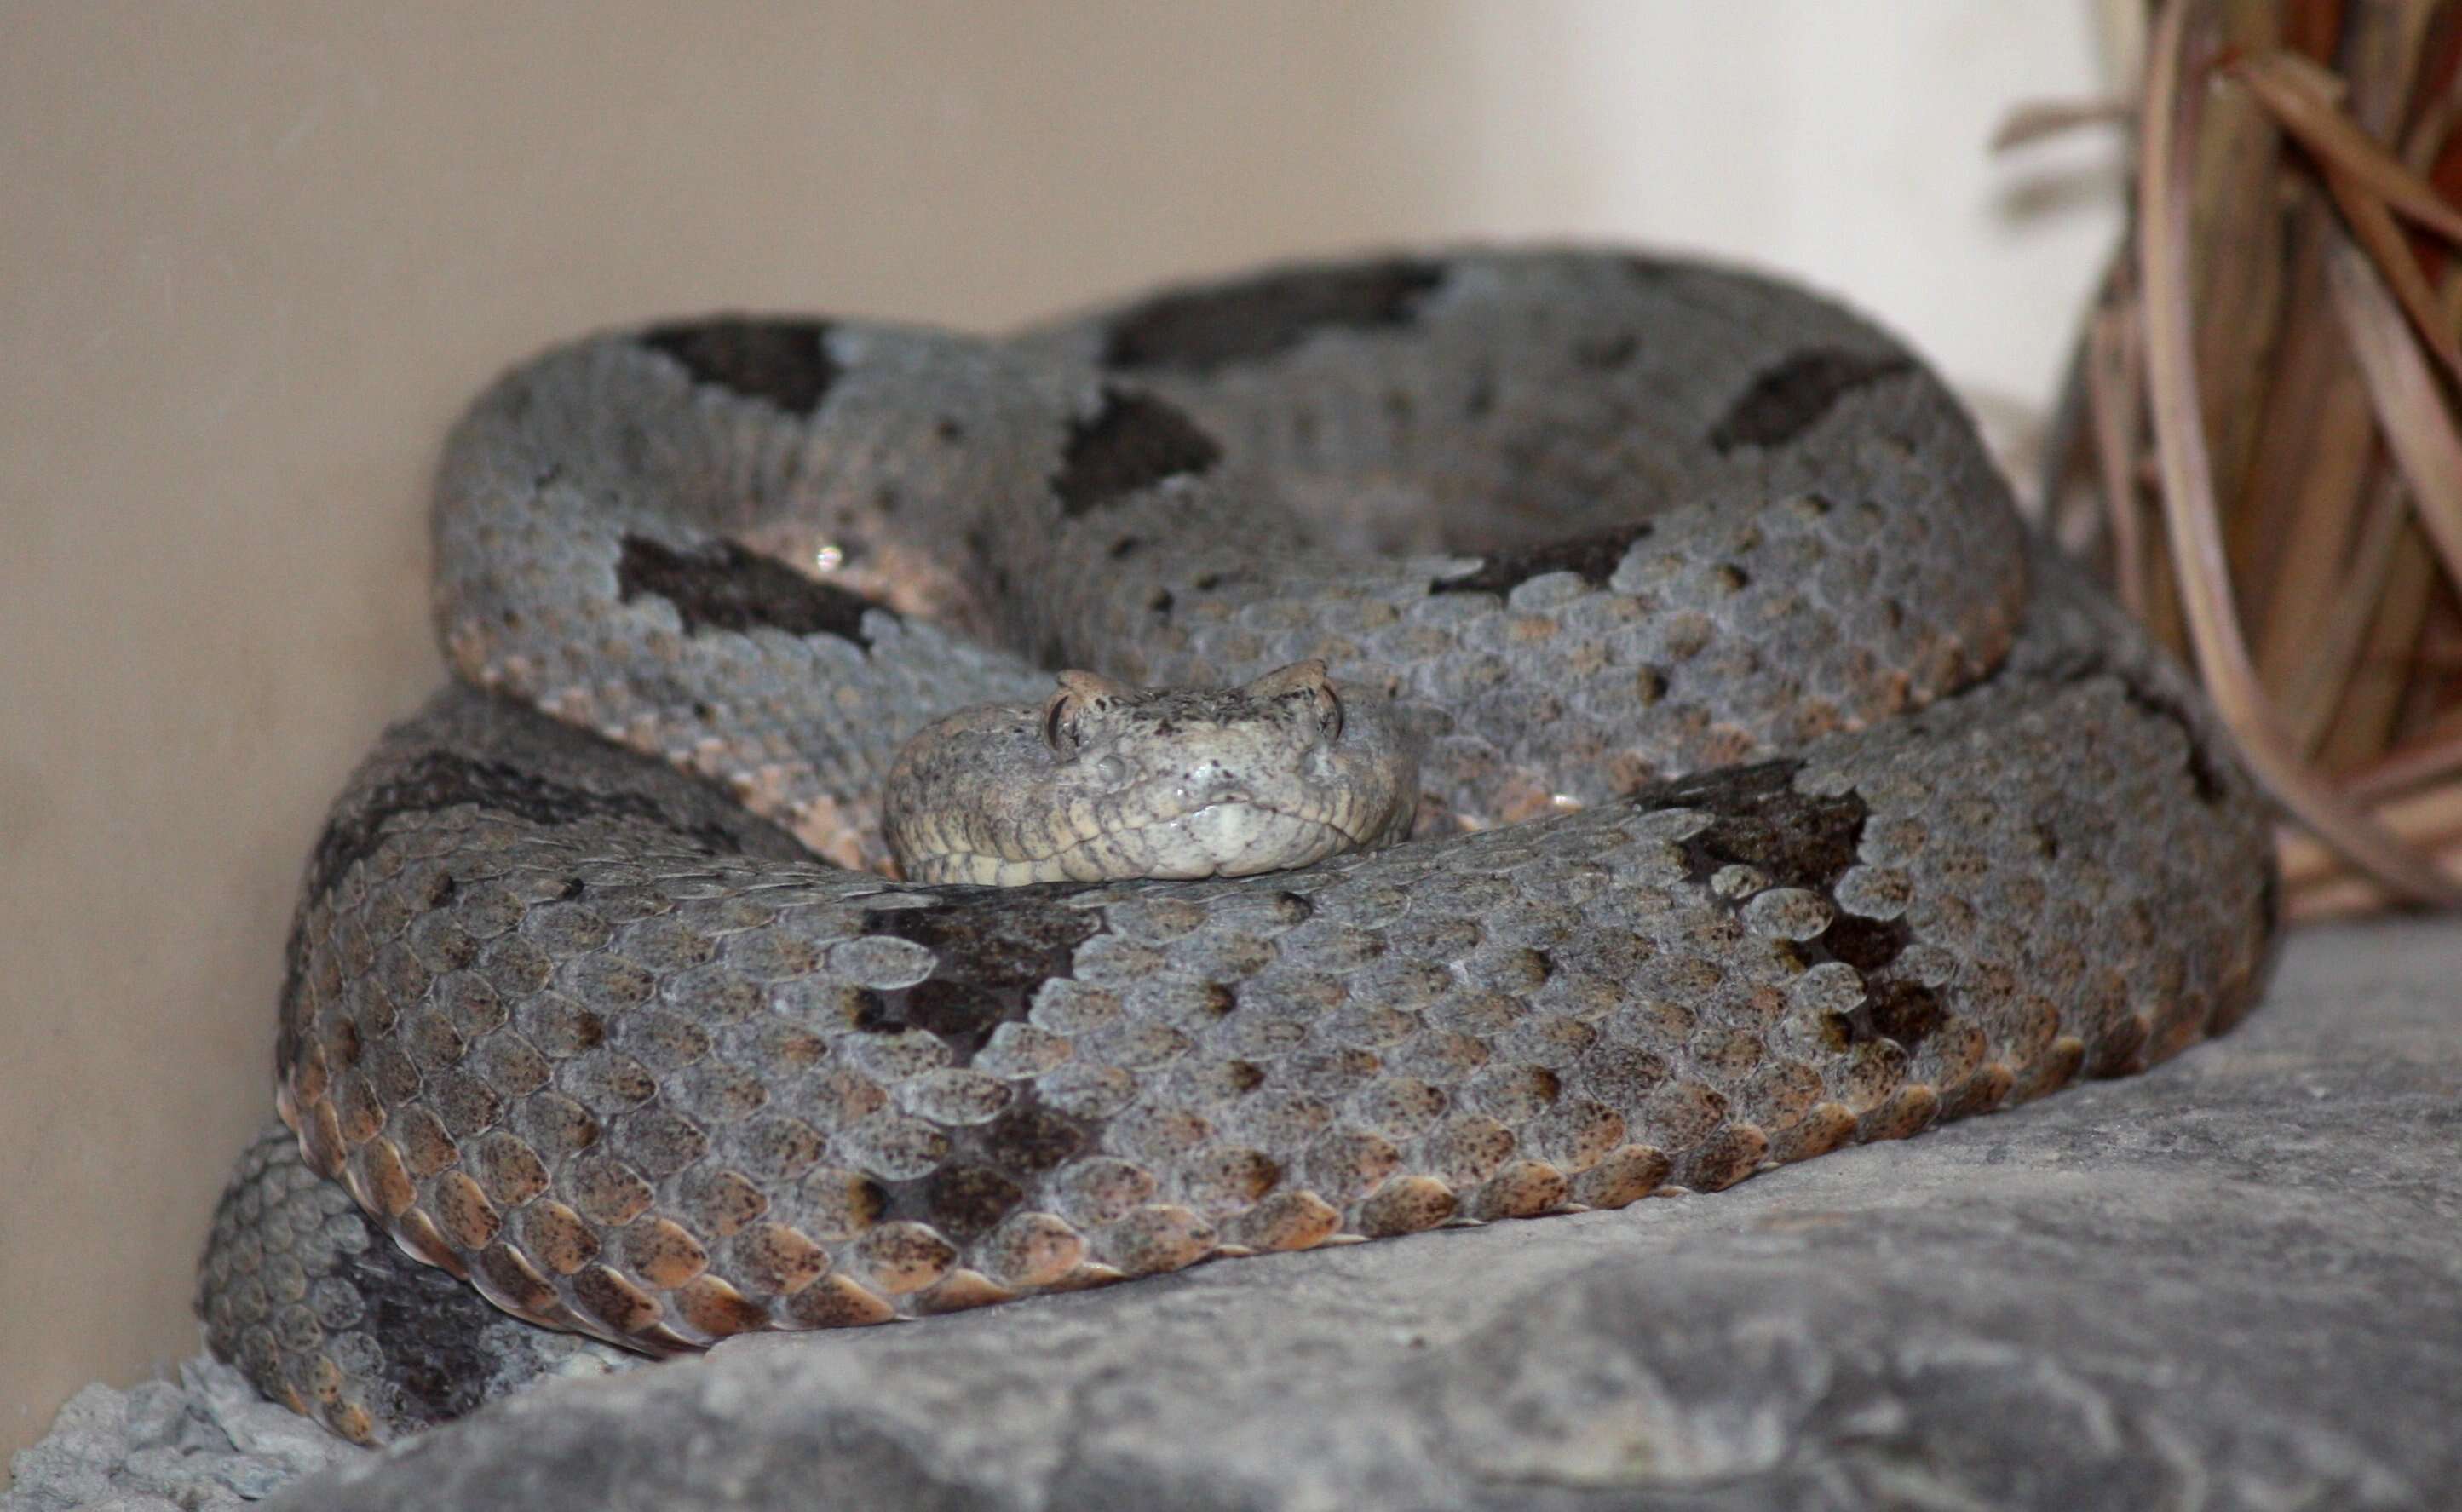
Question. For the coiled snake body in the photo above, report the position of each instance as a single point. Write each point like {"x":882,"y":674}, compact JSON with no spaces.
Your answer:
{"x":1776,"y":795}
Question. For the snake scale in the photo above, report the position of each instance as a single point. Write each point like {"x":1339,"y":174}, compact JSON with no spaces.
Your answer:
{"x":1776,"y":792}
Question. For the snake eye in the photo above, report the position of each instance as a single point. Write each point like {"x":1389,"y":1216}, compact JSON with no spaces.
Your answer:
{"x":1304,"y":679}
{"x":1329,"y":712}
{"x":1079,"y":692}
{"x":1059,"y":731}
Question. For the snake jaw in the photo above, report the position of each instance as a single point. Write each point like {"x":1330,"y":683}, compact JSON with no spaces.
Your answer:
{"x":1225,"y":838}
{"x":1240,"y":837}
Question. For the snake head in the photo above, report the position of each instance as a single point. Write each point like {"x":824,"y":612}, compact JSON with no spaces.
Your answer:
{"x":1106,"y":779}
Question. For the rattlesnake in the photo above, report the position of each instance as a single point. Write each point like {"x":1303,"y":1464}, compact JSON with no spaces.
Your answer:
{"x":1773,"y":791}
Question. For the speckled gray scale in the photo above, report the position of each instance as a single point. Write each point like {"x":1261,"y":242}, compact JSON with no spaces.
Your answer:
{"x":304,"y":1292}
{"x":1773,"y":797}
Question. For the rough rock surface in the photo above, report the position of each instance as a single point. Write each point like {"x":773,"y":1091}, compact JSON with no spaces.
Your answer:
{"x":206,"y":1441}
{"x":2234,"y":1282}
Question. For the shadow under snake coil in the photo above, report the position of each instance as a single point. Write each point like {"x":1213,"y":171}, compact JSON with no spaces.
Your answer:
{"x":1777,"y":794}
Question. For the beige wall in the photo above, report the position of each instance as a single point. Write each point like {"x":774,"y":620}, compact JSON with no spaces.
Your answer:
{"x":254,"y":255}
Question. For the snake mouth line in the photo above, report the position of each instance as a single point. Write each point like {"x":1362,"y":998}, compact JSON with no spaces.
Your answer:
{"x":1315,"y":838}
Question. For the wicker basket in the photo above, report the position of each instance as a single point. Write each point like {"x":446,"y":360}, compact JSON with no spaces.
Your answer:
{"x":2260,"y":446}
